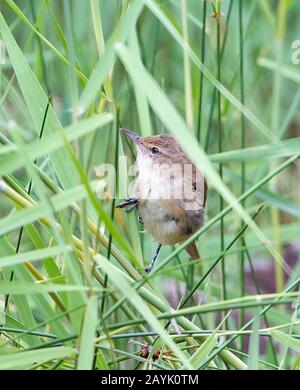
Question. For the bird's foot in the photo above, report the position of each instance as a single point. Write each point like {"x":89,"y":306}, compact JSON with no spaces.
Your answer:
{"x":132,"y":202}
{"x":150,"y":266}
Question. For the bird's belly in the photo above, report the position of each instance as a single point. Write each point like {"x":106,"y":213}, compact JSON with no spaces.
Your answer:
{"x":157,"y":222}
{"x":165,"y":217}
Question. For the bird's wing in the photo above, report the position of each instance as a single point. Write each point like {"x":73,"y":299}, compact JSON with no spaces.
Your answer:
{"x":195,"y":179}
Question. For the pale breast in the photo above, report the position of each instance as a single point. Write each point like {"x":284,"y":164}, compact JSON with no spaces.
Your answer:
{"x":162,"y":208}
{"x":163,"y":227}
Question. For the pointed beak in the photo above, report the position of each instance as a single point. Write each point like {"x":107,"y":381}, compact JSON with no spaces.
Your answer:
{"x":133,"y":136}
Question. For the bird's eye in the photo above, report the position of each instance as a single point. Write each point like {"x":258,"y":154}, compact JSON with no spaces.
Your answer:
{"x":154,"y":150}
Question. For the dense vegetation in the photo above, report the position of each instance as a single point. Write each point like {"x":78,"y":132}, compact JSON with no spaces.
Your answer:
{"x":223,"y":77}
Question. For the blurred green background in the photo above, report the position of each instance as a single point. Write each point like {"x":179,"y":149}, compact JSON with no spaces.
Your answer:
{"x":220,"y":76}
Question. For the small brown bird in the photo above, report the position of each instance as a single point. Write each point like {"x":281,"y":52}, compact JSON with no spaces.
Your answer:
{"x":169,"y":192}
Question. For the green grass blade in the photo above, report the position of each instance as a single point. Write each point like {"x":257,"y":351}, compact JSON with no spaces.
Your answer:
{"x":286,"y":340}
{"x":26,"y":359}
{"x":87,"y":336}
{"x":34,"y":255}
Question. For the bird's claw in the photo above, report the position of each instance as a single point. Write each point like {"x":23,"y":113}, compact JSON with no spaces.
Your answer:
{"x":132,"y":202}
{"x":131,"y":207}
{"x":149,"y":268}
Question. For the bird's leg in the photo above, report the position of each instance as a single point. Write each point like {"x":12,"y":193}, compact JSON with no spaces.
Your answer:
{"x":150,"y":266}
{"x":132,"y":202}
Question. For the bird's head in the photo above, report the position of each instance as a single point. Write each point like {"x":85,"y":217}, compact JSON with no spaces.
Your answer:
{"x":159,"y":148}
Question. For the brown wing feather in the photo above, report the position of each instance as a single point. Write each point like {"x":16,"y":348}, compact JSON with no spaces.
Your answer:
{"x":193,"y":251}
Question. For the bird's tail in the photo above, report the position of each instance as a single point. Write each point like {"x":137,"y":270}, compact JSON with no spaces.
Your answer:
{"x":193,"y":251}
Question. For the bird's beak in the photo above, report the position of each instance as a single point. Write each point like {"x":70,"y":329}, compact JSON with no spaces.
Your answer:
{"x":133,"y":136}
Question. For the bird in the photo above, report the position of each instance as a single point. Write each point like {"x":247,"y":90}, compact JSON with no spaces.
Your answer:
{"x":169,"y":193}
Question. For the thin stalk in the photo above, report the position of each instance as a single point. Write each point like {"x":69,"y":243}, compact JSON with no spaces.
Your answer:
{"x":259,"y":292}
{"x":265,"y":332}
{"x":210,"y":116}
{"x":243,"y":165}
{"x":252,"y":301}
{"x":99,"y":36}
{"x":28,"y":193}
{"x":186,"y":264}
{"x":201,"y":74}
{"x":32,"y":333}
{"x":247,"y":356}
{"x":275,"y":213}
{"x":71,"y":52}
{"x":188,"y":93}
{"x":97,"y":25}
{"x":40,"y":49}
{"x":220,"y":148}
{"x":112,"y":212}
{"x":191,"y":269}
